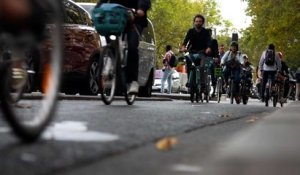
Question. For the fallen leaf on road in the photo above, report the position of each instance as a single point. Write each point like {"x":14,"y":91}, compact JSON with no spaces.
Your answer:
{"x":166,"y":143}
{"x":252,"y":120}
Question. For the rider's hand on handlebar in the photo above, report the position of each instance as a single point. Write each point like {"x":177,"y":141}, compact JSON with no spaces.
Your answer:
{"x":140,"y":13}
{"x":208,"y":50}
{"x":182,"y":49}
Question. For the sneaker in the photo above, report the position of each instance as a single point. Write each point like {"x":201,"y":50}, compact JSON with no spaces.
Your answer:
{"x":133,"y":88}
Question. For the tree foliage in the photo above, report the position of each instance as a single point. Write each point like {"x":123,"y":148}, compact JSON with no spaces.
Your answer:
{"x":173,"y":18}
{"x":274,"y":21}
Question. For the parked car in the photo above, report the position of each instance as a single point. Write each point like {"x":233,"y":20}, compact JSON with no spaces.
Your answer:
{"x":178,"y":82}
{"x":146,"y":52}
{"x":81,"y":52}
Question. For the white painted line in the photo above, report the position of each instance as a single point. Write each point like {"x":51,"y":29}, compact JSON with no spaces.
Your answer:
{"x":76,"y":131}
{"x":186,"y":168}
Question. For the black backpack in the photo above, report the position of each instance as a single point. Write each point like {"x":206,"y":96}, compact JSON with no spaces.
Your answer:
{"x":270,"y":58}
{"x":172,"y":61}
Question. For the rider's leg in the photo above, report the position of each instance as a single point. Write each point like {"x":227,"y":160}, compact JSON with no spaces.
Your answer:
{"x":286,"y":88}
{"x":263,"y":84}
{"x":133,"y":59}
{"x":237,"y":79}
{"x":226,"y":73}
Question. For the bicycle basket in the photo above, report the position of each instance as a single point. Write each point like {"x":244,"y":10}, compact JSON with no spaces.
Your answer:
{"x":218,"y":72}
{"x":110,"y":19}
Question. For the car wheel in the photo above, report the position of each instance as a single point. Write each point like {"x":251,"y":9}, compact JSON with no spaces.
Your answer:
{"x":92,"y":78}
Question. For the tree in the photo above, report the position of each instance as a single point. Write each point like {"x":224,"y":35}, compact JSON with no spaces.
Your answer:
{"x":274,"y":22}
{"x":172,"y":19}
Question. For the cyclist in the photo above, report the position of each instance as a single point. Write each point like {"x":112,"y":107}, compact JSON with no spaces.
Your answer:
{"x":249,"y":70}
{"x":197,"y":42}
{"x":285,"y":72}
{"x":268,"y":69}
{"x":141,"y":7}
{"x":231,"y":62}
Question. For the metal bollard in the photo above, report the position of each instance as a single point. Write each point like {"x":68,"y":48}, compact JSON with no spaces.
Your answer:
{"x":298,"y":84}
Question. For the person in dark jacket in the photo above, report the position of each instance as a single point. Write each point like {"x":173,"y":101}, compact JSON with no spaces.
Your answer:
{"x":141,"y":7}
{"x":197,"y":41}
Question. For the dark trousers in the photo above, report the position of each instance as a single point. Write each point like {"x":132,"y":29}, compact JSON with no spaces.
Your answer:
{"x":133,"y":53}
{"x":266,"y":75}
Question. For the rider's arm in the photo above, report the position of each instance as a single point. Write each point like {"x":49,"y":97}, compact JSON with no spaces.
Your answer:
{"x":278,"y":62}
{"x":224,"y":58}
{"x":262,"y":61}
{"x":186,"y":39}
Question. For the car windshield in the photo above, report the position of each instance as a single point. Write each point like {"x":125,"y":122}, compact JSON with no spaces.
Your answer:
{"x":88,"y":7}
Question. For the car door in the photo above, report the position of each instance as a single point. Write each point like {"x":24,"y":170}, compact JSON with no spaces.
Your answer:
{"x":147,"y":53}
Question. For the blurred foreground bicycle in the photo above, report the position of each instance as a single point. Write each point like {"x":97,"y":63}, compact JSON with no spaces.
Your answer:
{"x":32,"y":52}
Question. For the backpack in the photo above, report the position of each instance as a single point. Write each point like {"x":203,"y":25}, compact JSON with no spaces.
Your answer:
{"x":270,"y":58}
{"x":172,"y":61}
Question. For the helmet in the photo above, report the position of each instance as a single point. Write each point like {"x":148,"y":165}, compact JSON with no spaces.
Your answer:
{"x":235,"y":44}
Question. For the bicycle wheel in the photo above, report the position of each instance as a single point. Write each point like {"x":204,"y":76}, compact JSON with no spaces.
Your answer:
{"x":267,"y":96}
{"x":29,"y":115}
{"x":107,"y":75}
{"x":207,"y":88}
{"x":219,"y":89}
{"x":231,"y":89}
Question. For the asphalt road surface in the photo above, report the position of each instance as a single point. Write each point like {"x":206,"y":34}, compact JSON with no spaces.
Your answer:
{"x":88,"y":137}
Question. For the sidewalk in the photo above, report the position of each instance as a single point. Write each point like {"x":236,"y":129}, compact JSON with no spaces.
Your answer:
{"x":271,"y":147}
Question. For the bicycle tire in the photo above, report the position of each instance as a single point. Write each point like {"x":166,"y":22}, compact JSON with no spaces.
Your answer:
{"x":231,"y":91}
{"x":107,"y":75}
{"x":207,"y":88}
{"x":219,"y":89}
{"x":29,"y":118}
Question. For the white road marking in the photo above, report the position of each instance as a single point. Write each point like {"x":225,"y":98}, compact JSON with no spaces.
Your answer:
{"x":186,"y":168}
{"x":76,"y":131}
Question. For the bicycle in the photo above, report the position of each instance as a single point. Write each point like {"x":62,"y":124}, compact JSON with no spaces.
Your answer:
{"x":113,"y":59}
{"x":28,"y":115}
{"x":245,"y":84}
{"x":194,"y":79}
{"x":207,"y":78}
{"x":233,"y":88}
{"x":219,"y":84}
{"x":273,"y":92}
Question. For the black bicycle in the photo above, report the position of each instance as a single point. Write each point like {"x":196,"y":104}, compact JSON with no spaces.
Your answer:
{"x":111,"y":20}
{"x":207,"y":78}
{"x":194,"y":78}
{"x":273,"y":91}
{"x":233,"y":88}
{"x":246,"y":84}
{"x":28,"y":114}
{"x":219,"y":85}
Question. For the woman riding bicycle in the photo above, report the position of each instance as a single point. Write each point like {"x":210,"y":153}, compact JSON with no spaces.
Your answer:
{"x":232,"y":61}
{"x":141,"y":7}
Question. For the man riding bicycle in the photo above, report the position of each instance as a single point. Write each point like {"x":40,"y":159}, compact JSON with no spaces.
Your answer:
{"x":269,"y":65}
{"x":141,"y":7}
{"x":197,"y":41}
{"x":232,"y":61}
